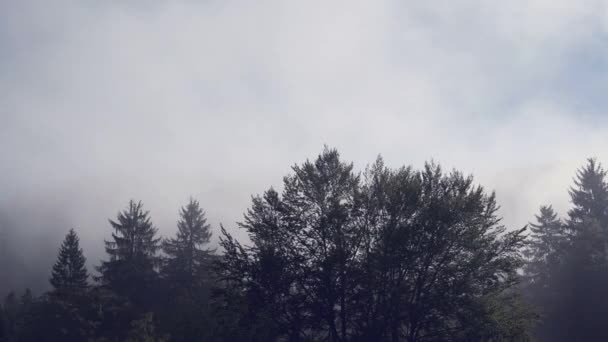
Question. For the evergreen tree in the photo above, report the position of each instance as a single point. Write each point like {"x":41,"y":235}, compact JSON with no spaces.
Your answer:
{"x":130,"y":271}
{"x":186,"y":257}
{"x":546,"y":242}
{"x":545,"y":250}
{"x":69,"y":272}
{"x":186,"y":271}
{"x":12,"y":313}
{"x":144,"y":330}
{"x":577,"y":287}
{"x":589,"y":197}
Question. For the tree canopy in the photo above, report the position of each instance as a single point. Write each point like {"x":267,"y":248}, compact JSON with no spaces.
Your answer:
{"x":69,"y":272}
{"x":333,"y":254}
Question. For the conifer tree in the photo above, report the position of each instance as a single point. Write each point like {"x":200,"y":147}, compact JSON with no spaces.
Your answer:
{"x":69,"y":272}
{"x":133,"y":253}
{"x":186,"y":256}
{"x":578,"y":286}
{"x":588,"y":218}
{"x":547,"y":239}
{"x":589,"y":197}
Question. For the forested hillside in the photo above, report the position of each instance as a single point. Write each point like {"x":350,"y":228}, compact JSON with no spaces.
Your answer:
{"x":385,"y":254}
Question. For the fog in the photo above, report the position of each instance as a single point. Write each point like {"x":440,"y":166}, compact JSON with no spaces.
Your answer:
{"x":105,"y":102}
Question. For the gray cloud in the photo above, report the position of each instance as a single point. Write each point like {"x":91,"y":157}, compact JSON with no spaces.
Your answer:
{"x":106,"y":101}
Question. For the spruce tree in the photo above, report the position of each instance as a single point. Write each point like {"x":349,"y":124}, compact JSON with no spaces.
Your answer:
{"x":544,"y":252}
{"x":187,"y":273}
{"x":589,"y":197}
{"x":133,"y":253}
{"x":186,"y":256}
{"x":547,"y":239}
{"x":69,"y":272}
{"x":588,"y":218}
{"x":578,"y":288}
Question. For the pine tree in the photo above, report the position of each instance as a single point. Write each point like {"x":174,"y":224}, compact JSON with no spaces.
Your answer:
{"x":186,"y":271}
{"x":547,"y":239}
{"x":545,"y":253}
{"x":186,"y":257}
{"x":588,"y":218}
{"x":133,"y":253}
{"x":589,"y":197}
{"x":578,"y":286}
{"x":144,"y":330}
{"x":134,"y":236}
{"x":69,"y":272}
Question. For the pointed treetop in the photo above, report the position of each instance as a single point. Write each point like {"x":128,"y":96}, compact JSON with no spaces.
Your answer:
{"x":186,"y":255}
{"x":134,"y":234}
{"x":589,"y":195}
{"x":69,"y":272}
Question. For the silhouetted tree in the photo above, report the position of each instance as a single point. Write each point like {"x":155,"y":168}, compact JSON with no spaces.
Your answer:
{"x":11,"y":308}
{"x":186,"y":270}
{"x":69,"y":272}
{"x":130,"y":271}
{"x":582,"y":280}
{"x":187,"y":258}
{"x":545,"y":252}
{"x":589,"y":197}
{"x":546,"y":244}
{"x":413,"y":256}
{"x":438,"y":264}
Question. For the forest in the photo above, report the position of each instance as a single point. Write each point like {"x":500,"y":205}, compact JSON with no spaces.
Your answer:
{"x":386,"y":254}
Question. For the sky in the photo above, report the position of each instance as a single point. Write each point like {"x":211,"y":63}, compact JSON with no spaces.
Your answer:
{"x":106,"y":101}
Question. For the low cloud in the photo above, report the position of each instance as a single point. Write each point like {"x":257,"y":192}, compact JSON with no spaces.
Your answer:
{"x":104,"y":102}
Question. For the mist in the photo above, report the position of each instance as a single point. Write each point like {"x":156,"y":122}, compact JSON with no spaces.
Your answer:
{"x":106,"y":102}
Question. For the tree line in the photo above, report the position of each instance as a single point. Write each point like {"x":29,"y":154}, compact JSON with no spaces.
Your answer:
{"x":388,"y":254}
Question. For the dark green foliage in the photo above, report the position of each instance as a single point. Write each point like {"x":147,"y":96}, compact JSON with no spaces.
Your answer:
{"x":12,"y":311}
{"x":187,"y":276}
{"x":436,"y":257}
{"x":134,"y":235}
{"x":186,"y":262}
{"x":387,"y":255}
{"x":567,"y":274}
{"x":144,"y":330}
{"x":583,"y":278}
{"x":56,"y":319}
{"x":543,"y":271}
{"x":69,"y":272}
{"x":406,"y":255}
{"x":130,"y":271}
{"x":589,"y":197}
{"x":547,"y":240}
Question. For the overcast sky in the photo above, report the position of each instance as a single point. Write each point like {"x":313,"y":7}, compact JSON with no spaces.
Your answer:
{"x":104,"y":101}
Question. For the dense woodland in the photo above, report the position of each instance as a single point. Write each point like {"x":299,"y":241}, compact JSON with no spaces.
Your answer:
{"x":383,"y":255}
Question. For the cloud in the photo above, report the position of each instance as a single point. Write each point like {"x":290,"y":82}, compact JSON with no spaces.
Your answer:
{"x":106,"y":101}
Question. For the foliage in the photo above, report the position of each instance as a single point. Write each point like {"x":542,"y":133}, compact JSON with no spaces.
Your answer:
{"x":130,"y":271}
{"x":385,"y":255}
{"x":69,"y":272}
{"x":407,"y":255}
{"x":186,"y":259}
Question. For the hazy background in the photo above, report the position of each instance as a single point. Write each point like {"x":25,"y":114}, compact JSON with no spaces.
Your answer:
{"x":104,"y":101}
